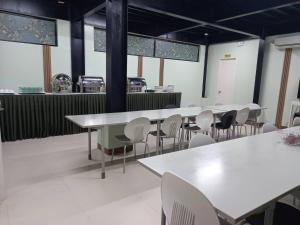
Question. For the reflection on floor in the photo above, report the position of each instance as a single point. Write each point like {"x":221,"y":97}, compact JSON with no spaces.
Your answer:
{"x":51,"y":181}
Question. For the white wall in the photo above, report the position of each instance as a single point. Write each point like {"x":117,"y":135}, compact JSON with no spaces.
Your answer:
{"x":272,"y":72}
{"x":95,"y":62}
{"x":22,"y":64}
{"x":61,"y":54}
{"x":271,"y":77}
{"x":187,"y":78}
{"x":151,"y":71}
{"x":246,"y":56}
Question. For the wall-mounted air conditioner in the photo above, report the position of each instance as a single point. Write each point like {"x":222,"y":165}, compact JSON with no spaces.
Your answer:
{"x":287,"y":42}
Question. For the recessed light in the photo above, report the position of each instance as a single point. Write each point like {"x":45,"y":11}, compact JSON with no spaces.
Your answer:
{"x":60,"y":2}
{"x":205,"y":34}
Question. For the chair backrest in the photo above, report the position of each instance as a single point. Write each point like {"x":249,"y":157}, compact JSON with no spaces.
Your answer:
{"x":183,"y":204}
{"x":204,"y":120}
{"x":200,"y":140}
{"x":137,"y":129}
{"x":171,"y":125}
{"x":228,"y":119}
{"x":171,"y":107}
{"x":242,"y":116}
{"x":296,"y":121}
{"x":269,"y":127}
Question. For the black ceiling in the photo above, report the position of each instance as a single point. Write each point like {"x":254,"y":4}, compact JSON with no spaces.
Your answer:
{"x":185,"y":20}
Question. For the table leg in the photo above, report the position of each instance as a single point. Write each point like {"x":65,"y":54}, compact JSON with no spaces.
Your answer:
{"x":158,"y":137}
{"x":214,"y":127}
{"x":269,"y":215}
{"x":90,"y":143}
{"x":163,"y":217}
{"x":102,"y":159}
{"x":181,"y":146}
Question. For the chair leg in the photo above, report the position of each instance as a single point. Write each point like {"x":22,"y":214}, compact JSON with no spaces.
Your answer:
{"x":134,"y":149}
{"x":124,"y":158}
{"x":148,"y":149}
{"x":245,"y":130}
{"x":112,"y":154}
{"x":162,"y":145}
{"x":218,"y":135}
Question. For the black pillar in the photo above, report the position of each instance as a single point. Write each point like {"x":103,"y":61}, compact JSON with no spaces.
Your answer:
{"x":116,"y":55}
{"x":259,"y":68}
{"x":77,"y":50}
{"x":205,"y":72}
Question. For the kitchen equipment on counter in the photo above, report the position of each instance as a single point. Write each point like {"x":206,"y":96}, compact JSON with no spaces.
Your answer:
{"x":61,"y":83}
{"x":136,"y":84}
{"x":91,"y":84}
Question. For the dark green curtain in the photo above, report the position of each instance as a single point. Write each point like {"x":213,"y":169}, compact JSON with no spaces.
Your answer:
{"x":37,"y":116}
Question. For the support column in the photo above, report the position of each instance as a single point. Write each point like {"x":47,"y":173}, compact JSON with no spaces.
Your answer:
{"x":77,"y":51}
{"x":283,"y":86}
{"x":205,"y":72}
{"x":116,"y":55}
{"x":259,"y":68}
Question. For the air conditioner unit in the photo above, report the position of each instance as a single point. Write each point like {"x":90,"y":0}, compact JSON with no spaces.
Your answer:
{"x":287,"y":42}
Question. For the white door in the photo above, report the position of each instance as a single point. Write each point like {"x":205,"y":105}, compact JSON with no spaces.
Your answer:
{"x":226,"y":81}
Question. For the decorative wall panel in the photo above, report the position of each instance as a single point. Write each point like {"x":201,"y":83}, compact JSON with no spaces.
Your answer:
{"x":99,"y":40}
{"x":26,"y":29}
{"x":173,"y":50}
{"x":151,"y":47}
{"x":140,"y":46}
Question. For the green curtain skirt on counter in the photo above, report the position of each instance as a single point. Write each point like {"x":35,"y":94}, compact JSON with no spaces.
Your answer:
{"x":37,"y":116}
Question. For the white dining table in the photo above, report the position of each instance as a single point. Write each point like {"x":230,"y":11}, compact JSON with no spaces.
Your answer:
{"x":239,"y":177}
{"x":98,"y":121}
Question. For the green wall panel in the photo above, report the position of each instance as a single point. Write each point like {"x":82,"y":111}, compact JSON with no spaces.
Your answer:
{"x":26,"y":29}
{"x":179,"y":51}
{"x":151,"y":47}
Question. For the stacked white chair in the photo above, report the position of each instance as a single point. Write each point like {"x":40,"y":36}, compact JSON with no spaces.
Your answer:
{"x":135,"y":132}
{"x":183,"y":204}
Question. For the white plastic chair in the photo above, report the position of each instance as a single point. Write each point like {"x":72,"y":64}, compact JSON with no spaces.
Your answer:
{"x":169,"y":129}
{"x":269,"y":127}
{"x":296,"y":122}
{"x":183,"y":204}
{"x":255,"y":115}
{"x":200,"y":140}
{"x":134,"y":132}
{"x":203,"y":122}
{"x":241,"y":118}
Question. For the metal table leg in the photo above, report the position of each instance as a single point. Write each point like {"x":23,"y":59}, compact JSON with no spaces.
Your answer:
{"x":158,"y":137}
{"x":269,"y":215}
{"x":181,"y":146}
{"x":214,"y":127}
{"x":102,"y":159}
{"x":163,"y":217}
{"x":90,"y":143}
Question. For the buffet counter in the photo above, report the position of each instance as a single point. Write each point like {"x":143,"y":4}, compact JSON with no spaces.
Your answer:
{"x":42,"y":115}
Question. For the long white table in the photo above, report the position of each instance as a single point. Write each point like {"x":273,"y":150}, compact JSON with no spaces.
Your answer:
{"x":239,"y":177}
{"x":98,"y":121}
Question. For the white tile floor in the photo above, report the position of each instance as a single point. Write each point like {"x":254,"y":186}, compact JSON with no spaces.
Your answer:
{"x":51,"y":181}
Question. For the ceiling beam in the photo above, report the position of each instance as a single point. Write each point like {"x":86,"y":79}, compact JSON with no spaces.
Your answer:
{"x":259,"y":11}
{"x":144,"y":6}
{"x":95,"y":10}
